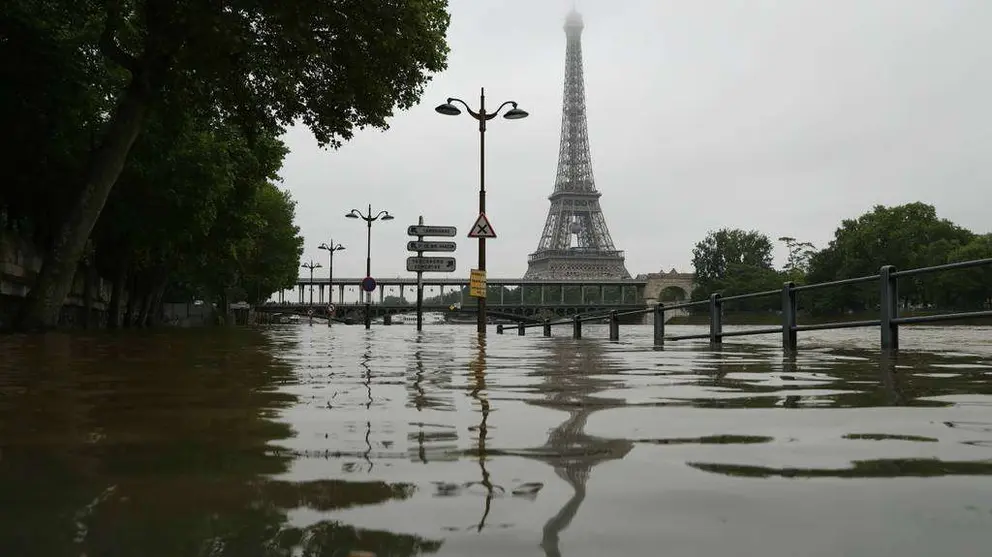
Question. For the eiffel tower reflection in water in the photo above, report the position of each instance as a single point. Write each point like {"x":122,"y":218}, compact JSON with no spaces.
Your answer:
{"x":572,"y":374}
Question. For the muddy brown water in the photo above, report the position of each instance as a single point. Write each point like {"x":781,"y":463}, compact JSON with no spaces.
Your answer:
{"x":299,"y":440}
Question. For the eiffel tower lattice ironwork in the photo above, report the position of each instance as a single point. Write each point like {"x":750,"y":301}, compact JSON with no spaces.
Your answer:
{"x":576,"y":242}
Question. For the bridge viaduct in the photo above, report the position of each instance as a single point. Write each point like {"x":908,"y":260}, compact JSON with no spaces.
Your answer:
{"x":511,"y":298}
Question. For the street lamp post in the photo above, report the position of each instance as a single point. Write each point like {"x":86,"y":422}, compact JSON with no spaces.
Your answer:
{"x":449,"y":109}
{"x":331,"y":247}
{"x":311,"y":265}
{"x":369,"y":219}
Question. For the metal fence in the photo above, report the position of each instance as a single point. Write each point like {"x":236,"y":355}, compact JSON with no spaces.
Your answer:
{"x":888,"y":320}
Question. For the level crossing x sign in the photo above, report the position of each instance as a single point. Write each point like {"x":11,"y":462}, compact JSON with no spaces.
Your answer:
{"x":482,"y":228}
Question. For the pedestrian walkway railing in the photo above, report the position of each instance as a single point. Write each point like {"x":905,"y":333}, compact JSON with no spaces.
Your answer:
{"x":888,"y":320}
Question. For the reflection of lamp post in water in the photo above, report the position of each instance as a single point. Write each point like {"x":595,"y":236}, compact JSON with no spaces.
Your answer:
{"x":478,"y":367}
{"x":366,"y":358}
{"x":369,"y":219}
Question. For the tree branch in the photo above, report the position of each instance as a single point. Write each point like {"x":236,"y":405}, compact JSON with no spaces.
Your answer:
{"x":108,"y":39}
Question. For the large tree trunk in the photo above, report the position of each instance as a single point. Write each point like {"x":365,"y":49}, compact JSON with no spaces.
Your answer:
{"x":153,"y":308}
{"x":89,"y":285}
{"x":44,"y":302}
{"x":133,"y":300}
{"x":117,"y":297}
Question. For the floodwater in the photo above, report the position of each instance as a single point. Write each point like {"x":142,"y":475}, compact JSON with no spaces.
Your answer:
{"x":310,"y":440}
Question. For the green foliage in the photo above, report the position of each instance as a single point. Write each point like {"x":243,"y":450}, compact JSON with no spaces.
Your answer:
{"x":723,"y":250}
{"x":54,"y":94}
{"x":967,"y":288}
{"x":907,"y":236}
{"x":144,"y":93}
{"x":734,"y":261}
{"x":800,"y":256}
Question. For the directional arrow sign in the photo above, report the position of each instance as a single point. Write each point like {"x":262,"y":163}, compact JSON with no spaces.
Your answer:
{"x":424,"y":230}
{"x":430,"y":264}
{"x":414,"y":245}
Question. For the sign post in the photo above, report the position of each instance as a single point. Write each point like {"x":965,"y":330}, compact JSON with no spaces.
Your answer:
{"x":482,"y":229}
{"x":420,"y":277}
{"x":421,"y":264}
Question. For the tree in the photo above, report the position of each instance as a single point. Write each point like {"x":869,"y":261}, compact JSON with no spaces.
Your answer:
{"x":800,"y":255}
{"x":332,"y":66}
{"x":734,"y":261}
{"x":907,"y":236}
{"x":713,"y":257}
{"x":968,"y":288}
{"x":53,"y":96}
{"x":275,"y":259}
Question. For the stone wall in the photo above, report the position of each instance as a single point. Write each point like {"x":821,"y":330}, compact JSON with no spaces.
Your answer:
{"x":20,"y":262}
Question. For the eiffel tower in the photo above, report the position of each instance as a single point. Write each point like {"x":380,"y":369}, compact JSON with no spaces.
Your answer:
{"x":576,"y":242}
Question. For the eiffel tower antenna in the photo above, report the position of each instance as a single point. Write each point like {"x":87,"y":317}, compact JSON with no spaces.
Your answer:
{"x":576,"y":242}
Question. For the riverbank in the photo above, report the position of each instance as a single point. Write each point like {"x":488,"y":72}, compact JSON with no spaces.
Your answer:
{"x":20,"y":261}
{"x":88,"y":304}
{"x":769,"y":318}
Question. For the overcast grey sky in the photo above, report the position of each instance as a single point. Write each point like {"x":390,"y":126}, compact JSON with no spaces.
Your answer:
{"x":782,"y":116}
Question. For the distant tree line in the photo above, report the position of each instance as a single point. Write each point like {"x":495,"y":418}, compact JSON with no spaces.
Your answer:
{"x":733,"y":261}
{"x":141,"y":138}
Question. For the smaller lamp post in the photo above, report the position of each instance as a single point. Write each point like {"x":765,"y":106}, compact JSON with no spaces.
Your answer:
{"x":369,"y":219}
{"x":331,"y":247}
{"x":311,"y":265}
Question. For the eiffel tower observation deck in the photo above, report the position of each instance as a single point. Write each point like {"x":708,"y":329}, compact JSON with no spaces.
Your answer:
{"x":576,"y":242}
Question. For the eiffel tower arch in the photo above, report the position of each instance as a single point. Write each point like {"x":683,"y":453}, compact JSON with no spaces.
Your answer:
{"x":576,"y":242}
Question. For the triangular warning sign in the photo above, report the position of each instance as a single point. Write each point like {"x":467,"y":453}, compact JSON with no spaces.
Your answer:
{"x":482,"y":228}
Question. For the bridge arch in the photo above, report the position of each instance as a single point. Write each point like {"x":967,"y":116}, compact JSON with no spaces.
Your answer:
{"x":673,"y":293}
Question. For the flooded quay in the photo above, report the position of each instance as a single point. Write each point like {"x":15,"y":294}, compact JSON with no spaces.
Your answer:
{"x":333,"y":441}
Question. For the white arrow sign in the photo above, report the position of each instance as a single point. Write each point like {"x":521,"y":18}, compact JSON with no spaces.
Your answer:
{"x":424,"y":230}
{"x":414,"y":245}
{"x":430,"y":264}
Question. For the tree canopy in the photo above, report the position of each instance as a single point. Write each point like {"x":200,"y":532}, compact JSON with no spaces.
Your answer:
{"x":93,"y":89}
{"x":907,"y":236}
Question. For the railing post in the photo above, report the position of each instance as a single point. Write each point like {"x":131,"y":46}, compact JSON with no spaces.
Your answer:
{"x":547,"y":327}
{"x":499,"y":329}
{"x":889,"y":307}
{"x":789,"y":307}
{"x":659,"y":325}
{"x":716,"y":318}
{"x":576,"y":327}
{"x":614,"y":326}
{"x":520,"y":329}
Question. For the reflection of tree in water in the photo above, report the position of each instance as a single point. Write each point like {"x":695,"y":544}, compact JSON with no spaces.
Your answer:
{"x":572,"y":375}
{"x":862,"y":379}
{"x":162,"y":444}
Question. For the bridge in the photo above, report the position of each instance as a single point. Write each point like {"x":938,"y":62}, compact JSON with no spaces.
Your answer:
{"x":510,"y":299}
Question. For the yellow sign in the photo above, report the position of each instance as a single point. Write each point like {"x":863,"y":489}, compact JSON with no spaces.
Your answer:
{"x":477,"y":284}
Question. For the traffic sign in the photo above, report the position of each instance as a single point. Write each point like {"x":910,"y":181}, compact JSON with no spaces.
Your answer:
{"x":482,"y":228}
{"x":424,"y":230}
{"x":368,"y":284}
{"x":477,"y":284}
{"x":430,"y":264}
{"x":415,"y":245}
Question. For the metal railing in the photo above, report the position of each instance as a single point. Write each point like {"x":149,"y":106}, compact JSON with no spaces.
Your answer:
{"x":888,"y":320}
